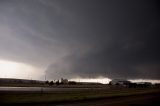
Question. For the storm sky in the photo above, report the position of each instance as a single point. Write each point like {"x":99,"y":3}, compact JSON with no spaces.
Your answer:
{"x":83,"y":38}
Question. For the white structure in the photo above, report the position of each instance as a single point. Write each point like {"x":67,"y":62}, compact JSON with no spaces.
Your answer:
{"x":119,"y":82}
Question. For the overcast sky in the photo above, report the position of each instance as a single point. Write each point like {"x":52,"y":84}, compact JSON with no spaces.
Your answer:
{"x":83,"y":38}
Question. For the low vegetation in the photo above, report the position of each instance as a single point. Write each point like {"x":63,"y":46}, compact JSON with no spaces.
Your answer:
{"x":62,"y":96}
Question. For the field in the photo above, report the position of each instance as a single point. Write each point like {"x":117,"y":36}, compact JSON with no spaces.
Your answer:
{"x":42,"y":97}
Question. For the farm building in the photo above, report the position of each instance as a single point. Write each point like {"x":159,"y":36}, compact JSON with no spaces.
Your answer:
{"x":119,"y":82}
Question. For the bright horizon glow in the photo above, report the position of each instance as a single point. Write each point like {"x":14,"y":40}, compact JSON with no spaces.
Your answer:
{"x":95,"y":80}
{"x":145,"y":80}
{"x":10,"y":69}
{"x":107,"y":80}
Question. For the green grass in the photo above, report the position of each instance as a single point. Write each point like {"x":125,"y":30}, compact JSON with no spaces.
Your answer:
{"x":46,"y":97}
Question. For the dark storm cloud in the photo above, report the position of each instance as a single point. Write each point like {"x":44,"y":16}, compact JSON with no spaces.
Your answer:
{"x":123,"y":39}
{"x":86,"y":38}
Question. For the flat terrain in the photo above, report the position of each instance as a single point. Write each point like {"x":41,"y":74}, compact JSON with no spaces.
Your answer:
{"x":38,"y":96}
{"x":135,"y":100}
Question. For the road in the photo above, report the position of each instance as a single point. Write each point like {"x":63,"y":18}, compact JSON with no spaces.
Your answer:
{"x":42,"y":89}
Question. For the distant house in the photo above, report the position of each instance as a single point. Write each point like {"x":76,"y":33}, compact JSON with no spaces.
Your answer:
{"x":144,"y":84}
{"x":119,"y":82}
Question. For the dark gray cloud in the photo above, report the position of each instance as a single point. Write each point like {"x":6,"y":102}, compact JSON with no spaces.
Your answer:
{"x":85,"y":38}
{"x":124,"y":39}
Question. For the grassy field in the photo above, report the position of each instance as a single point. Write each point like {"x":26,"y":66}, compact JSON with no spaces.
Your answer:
{"x":64,"y":96}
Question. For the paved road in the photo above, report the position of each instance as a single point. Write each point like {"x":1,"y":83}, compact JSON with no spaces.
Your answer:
{"x":42,"y":88}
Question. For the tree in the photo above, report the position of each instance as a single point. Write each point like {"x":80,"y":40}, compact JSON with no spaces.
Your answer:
{"x":47,"y":82}
{"x":51,"y":83}
{"x":57,"y":82}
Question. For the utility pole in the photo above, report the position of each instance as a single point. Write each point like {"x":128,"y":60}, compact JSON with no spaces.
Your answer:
{"x":45,"y":77}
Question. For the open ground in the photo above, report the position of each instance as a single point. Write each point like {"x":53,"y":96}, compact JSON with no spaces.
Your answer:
{"x":68,"y":96}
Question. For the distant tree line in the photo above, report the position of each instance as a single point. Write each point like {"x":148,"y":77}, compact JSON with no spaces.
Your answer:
{"x":60,"y":82}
